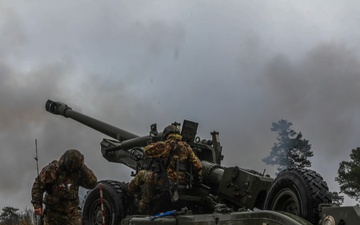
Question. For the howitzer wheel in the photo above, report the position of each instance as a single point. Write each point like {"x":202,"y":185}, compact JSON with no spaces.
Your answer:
{"x":298,"y":191}
{"x":113,"y":202}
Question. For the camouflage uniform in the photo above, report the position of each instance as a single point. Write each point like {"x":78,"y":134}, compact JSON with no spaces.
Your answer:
{"x":61,"y":180}
{"x":168,"y":151}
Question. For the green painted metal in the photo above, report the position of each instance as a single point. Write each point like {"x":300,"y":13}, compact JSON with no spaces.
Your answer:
{"x":237,"y":218}
{"x":346,"y":215}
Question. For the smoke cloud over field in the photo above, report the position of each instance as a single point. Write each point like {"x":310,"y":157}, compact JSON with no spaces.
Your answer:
{"x":234,"y":69}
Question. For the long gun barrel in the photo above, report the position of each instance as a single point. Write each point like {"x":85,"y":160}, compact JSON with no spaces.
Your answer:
{"x":59,"y":108}
{"x":125,"y":139}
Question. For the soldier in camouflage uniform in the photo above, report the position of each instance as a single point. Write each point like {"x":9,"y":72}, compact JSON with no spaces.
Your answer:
{"x":61,"y":180}
{"x":169,"y":151}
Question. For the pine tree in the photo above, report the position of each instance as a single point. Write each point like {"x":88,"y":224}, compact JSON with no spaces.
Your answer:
{"x":348,"y":175}
{"x":291,"y":150}
{"x":9,"y":216}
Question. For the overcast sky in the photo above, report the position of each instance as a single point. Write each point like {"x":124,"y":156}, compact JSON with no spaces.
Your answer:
{"x":233,"y":66}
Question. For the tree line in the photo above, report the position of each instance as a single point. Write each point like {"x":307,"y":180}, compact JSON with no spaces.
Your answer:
{"x":291,"y":150}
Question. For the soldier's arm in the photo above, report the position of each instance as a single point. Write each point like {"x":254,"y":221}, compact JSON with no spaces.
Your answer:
{"x":197,"y":167}
{"x":39,"y":187}
{"x":87,"y":178}
{"x":37,"y":194}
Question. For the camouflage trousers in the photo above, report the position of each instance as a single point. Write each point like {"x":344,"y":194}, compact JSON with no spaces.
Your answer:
{"x":144,"y":184}
{"x":59,"y":218}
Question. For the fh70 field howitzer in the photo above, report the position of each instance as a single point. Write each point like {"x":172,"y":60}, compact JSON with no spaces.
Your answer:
{"x":209,"y":152}
{"x":297,"y":191}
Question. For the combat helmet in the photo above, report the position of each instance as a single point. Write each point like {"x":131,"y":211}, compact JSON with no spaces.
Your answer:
{"x":72,"y":160}
{"x":171,"y":129}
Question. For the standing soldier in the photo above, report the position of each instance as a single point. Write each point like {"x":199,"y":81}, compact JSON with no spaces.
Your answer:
{"x":61,"y":180}
{"x":171,"y":151}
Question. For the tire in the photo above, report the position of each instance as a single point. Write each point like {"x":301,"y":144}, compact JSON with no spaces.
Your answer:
{"x":298,"y":191}
{"x":114,"y":202}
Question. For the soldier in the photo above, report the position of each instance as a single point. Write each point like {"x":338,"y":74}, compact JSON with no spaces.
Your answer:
{"x":170,"y":151}
{"x":61,"y":180}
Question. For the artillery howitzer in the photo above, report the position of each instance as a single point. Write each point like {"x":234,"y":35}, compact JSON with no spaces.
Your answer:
{"x":230,"y":195}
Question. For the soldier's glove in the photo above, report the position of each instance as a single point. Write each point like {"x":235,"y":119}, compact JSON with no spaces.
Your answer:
{"x":39,"y":211}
